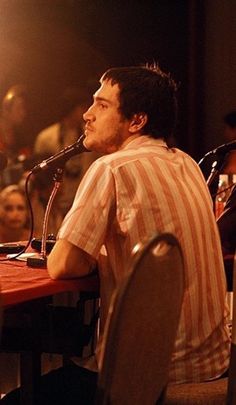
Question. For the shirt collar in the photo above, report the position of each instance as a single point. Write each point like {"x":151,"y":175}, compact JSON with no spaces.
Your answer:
{"x":144,"y":140}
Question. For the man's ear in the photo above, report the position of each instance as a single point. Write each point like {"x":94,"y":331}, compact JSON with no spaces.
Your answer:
{"x":137,"y":122}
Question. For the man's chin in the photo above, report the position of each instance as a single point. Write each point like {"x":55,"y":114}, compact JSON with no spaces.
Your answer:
{"x":90,"y":145}
{"x":101,"y":148}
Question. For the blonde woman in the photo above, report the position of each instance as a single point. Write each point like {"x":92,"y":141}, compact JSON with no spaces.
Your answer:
{"x":13,"y":215}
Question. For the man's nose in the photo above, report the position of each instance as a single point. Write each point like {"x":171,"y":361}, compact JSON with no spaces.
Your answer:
{"x":88,"y":116}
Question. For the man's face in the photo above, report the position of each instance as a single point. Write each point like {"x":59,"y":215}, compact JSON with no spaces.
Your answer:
{"x":106,"y":129}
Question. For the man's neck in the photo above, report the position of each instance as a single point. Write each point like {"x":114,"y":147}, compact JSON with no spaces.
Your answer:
{"x":129,"y":139}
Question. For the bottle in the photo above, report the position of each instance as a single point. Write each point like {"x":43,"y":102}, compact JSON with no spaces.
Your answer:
{"x":223,"y":192}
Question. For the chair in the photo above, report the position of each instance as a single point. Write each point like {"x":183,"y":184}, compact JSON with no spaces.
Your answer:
{"x":218,"y":392}
{"x":142,"y":325}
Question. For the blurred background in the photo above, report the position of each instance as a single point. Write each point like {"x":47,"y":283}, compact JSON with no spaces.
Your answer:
{"x":48,"y":45}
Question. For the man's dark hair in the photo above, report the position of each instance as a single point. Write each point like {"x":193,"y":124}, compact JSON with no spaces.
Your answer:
{"x":147,"y":89}
{"x":230,"y":119}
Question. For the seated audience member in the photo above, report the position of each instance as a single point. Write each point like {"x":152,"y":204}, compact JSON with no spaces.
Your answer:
{"x":41,"y":188}
{"x":66,"y":131}
{"x":229,"y":136}
{"x":227,"y":161}
{"x":13,"y":116}
{"x":15,"y":141}
{"x":13,"y":215}
{"x":139,"y":187}
{"x":227,"y":227}
{"x":230,"y":126}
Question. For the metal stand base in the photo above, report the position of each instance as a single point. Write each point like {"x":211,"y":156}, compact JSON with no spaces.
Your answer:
{"x":37,"y":261}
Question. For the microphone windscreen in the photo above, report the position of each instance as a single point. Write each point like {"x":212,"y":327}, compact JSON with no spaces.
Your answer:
{"x":3,"y":160}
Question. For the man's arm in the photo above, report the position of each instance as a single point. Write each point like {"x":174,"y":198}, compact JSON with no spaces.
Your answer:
{"x":68,"y":261}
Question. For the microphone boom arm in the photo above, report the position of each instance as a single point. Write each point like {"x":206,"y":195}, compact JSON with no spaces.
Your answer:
{"x":59,"y":159}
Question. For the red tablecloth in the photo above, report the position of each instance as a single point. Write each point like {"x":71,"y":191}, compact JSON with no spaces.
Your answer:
{"x":20,"y":283}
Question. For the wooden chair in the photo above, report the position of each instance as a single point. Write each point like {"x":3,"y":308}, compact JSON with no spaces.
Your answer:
{"x":218,"y":392}
{"x":142,"y":325}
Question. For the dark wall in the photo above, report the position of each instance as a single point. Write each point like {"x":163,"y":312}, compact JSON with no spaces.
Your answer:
{"x":220,"y":72}
{"x":49,"y":44}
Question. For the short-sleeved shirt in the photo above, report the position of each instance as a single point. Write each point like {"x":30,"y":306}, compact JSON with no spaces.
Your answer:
{"x":130,"y":195}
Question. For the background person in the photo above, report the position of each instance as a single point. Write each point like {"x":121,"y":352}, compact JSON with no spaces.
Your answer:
{"x":227,"y":224}
{"x":14,"y":221}
{"x":13,"y":115}
{"x":15,"y":141}
{"x":227,"y":161}
{"x":66,"y":131}
{"x":229,"y":136}
{"x":227,"y":228}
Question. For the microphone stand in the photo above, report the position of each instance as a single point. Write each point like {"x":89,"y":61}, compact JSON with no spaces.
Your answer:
{"x":41,"y":259}
{"x":216,"y":167}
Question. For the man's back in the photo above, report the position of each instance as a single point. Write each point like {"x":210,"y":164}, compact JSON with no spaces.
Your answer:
{"x":141,"y":189}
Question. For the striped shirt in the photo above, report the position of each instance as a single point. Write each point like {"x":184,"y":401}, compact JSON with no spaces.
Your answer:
{"x":133,"y":193}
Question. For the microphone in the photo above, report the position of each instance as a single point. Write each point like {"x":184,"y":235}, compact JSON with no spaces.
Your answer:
{"x":60,"y":158}
{"x":3,"y":160}
{"x":220,"y":150}
{"x":225,"y":148}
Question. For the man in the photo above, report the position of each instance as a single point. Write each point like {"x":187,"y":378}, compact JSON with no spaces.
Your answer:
{"x":230,"y":126}
{"x":141,"y":186}
{"x":227,"y":226}
{"x":13,"y":115}
{"x":230,"y":135}
{"x":227,"y":161}
{"x":14,"y":133}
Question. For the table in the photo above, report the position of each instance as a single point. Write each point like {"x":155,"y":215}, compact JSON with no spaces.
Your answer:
{"x":25,"y":292}
{"x":20,"y":283}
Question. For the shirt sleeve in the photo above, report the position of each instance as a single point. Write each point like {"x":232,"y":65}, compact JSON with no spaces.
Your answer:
{"x":87,"y":223}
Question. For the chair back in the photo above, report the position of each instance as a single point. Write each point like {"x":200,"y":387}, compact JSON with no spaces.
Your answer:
{"x":231,"y":392}
{"x":142,"y":325}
